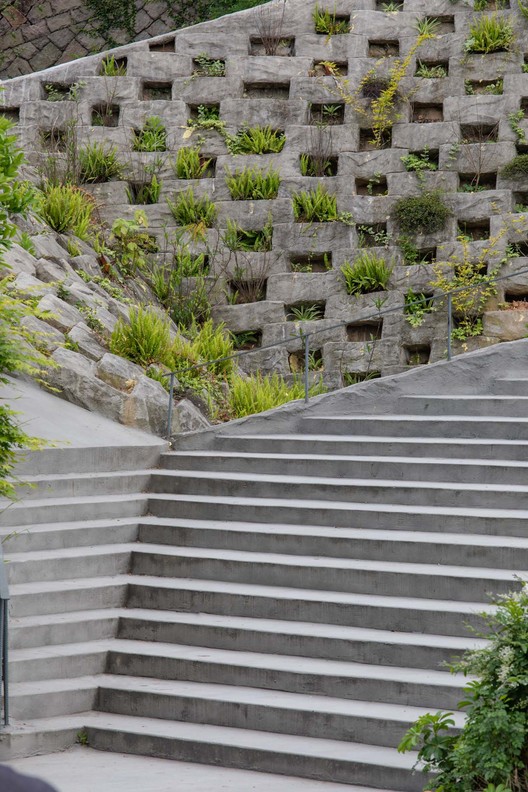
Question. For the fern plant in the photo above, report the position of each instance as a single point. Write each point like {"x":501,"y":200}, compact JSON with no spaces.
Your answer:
{"x":315,"y":206}
{"x":256,"y":140}
{"x":253,"y":184}
{"x":188,"y":210}
{"x":369,"y":273}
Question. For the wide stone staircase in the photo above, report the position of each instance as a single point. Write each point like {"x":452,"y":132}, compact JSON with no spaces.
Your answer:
{"x":283,"y":601}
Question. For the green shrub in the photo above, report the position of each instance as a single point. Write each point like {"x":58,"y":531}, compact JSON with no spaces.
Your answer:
{"x":315,"y":206}
{"x":306,"y":312}
{"x":421,"y":214}
{"x":131,"y":243}
{"x":516,"y":168}
{"x":257,"y":140}
{"x":419,"y":162}
{"x":190,"y":164}
{"x":327,"y":23}
{"x":112,"y":67}
{"x":491,"y":33}
{"x":152,"y":137}
{"x":98,"y":163}
{"x":213,"y":343}
{"x":237,"y":238}
{"x":253,"y":184}
{"x":417,"y":305}
{"x":258,"y":393}
{"x":428,"y":72}
{"x":188,"y":210}
{"x":146,"y":193}
{"x":369,"y":273}
{"x":65,"y":207}
{"x":208,"y":67}
{"x":144,"y":339}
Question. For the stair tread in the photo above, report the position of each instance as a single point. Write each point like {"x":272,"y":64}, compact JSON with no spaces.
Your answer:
{"x":36,"y":503}
{"x":418,"y":440}
{"x":95,"y":475}
{"x":464,"y":396}
{"x":411,"y":418}
{"x":338,"y":750}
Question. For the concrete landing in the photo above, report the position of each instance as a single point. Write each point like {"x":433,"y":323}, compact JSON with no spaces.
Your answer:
{"x":83,"y":770}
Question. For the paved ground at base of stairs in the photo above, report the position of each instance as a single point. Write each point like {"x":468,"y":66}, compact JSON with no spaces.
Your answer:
{"x":84,"y":770}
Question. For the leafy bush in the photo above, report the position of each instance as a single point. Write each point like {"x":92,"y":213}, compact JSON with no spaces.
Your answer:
{"x":491,"y":747}
{"x":429,"y":72}
{"x":152,"y":137}
{"x":208,"y":67}
{"x":237,"y":238}
{"x":188,"y":210}
{"x":491,"y":33}
{"x":213,"y":343}
{"x":315,"y":206}
{"x":144,"y":339}
{"x":113,"y":67}
{"x":146,"y":193}
{"x":65,"y":207}
{"x":516,"y":168}
{"x":421,"y":214}
{"x":253,"y":184}
{"x":327,"y":23}
{"x":258,"y":393}
{"x":98,"y":163}
{"x":306,"y":312}
{"x":369,"y":273}
{"x":257,"y":140}
{"x":131,"y":243}
{"x":190,"y":164}
{"x":417,"y":305}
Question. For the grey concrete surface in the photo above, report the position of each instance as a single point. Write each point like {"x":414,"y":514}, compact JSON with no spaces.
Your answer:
{"x":83,"y":770}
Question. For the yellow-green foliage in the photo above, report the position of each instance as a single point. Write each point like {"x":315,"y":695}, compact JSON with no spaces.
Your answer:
{"x":144,"y":339}
{"x":66,"y":207}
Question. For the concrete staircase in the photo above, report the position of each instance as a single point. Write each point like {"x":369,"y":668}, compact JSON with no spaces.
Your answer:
{"x":280,"y":600}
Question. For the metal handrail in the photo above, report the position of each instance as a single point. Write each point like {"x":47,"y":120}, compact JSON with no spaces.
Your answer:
{"x":305,"y":337}
{"x":4,"y":635}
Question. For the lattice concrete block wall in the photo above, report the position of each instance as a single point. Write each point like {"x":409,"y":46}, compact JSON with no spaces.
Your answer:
{"x":280,"y":91}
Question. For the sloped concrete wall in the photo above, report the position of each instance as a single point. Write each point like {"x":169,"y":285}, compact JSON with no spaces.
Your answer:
{"x":281,"y":91}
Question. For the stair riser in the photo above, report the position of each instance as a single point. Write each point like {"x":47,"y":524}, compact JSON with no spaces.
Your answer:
{"x":371,"y":447}
{"x":359,"y":581}
{"x":87,"y":460}
{"x":412,"y":656}
{"x":57,"y":667}
{"x":373,"y":731}
{"x":264,"y":761}
{"x":30,"y":540}
{"x":38,"y":604}
{"x":404,"y":471}
{"x":32,"y":706}
{"x":420,"y":405}
{"x":32,"y":514}
{"x":127,"y":482}
{"x":61,"y":633}
{"x":388,"y":691}
{"x":341,"y":517}
{"x":31,"y":743}
{"x":510,"y":387}
{"x":336,"y":547}
{"x":439,"y":622}
{"x":435,"y":427}
{"x":68,"y":568}
{"x":404,"y":493}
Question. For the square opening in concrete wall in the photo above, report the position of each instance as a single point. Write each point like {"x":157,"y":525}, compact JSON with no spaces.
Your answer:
{"x":473,"y":230}
{"x":330,"y":113}
{"x":477,"y":182}
{"x":389,"y":6}
{"x":243,"y":291}
{"x":311,"y":262}
{"x":164,"y":46}
{"x":416,"y":354}
{"x":329,"y":68}
{"x":106,"y":115}
{"x":305,"y":311}
{"x":297,"y":360}
{"x":424,"y":113}
{"x":60,"y":92}
{"x":267,"y":90}
{"x":383,"y":48}
{"x":318,"y":165}
{"x":364,"y":331}
{"x":282,"y":46}
{"x":516,"y":300}
{"x":247,"y":339}
{"x":155,"y":91}
{"x":432,"y":69}
{"x":368,"y":143}
{"x":11,"y":113}
{"x":479,"y":133}
{"x":204,"y":112}
{"x":143,"y":193}
{"x":484,"y":87}
{"x":355,"y":377}
{"x":113,"y":67}
{"x":375,"y":185}
{"x":374,"y":86}
{"x":53,"y":139}
{"x":374,"y":235}
{"x":520,"y":201}
{"x":413,"y":255}
{"x":204,"y":66}
{"x":519,"y":247}
{"x":443,"y":24}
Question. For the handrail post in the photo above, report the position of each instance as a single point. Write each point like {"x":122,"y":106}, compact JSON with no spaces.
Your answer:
{"x":306,"y":367}
{"x":171,"y":405}
{"x":449,"y":324}
{"x":5,"y":666}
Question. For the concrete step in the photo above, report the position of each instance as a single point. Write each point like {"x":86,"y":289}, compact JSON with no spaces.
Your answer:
{"x":69,"y":563}
{"x":300,"y":639}
{"x":361,"y":490}
{"x":50,"y":697}
{"x":55,"y":535}
{"x":404,"y":425}
{"x":251,"y":708}
{"x":322,"y":759}
{"x":76,"y":485}
{"x":514,"y":386}
{"x":494,"y":406}
{"x":389,"y":516}
{"x":62,"y":661}
{"x":405,"y":614}
{"x":51,"y":629}
{"x":415,"y":447}
{"x":64,"y":596}
{"x":276,"y":672}
{"x":337,"y":574}
{"x":87,"y":459}
{"x":46,"y":510}
{"x":400,"y":468}
{"x":405,"y":546}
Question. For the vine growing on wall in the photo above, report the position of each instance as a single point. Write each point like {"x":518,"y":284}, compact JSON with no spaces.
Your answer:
{"x":108,"y":15}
